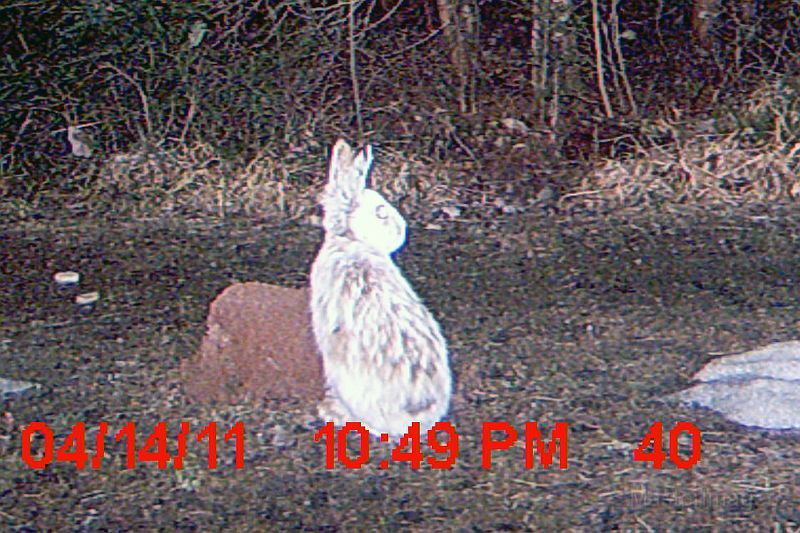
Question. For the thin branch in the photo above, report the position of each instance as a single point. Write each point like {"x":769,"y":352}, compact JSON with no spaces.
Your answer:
{"x":383,"y":18}
{"x":20,"y":133}
{"x":351,"y":27}
{"x":21,"y":4}
{"x":188,"y":120}
{"x":142,"y":95}
{"x":411,"y":46}
{"x":621,"y":60}
{"x":601,"y":84}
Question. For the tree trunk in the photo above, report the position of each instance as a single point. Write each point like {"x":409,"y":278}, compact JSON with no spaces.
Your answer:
{"x":459,"y":25}
{"x":704,"y":13}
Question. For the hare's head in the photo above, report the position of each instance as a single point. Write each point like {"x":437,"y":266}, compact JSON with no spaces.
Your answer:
{"x":354,"y":211}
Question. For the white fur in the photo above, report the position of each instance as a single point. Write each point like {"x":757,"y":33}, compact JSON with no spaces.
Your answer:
{"x":375,"y":222}
{"x":384,"y":355}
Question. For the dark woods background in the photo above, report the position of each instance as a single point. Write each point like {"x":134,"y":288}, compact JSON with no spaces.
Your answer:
{"x":507,"y":87}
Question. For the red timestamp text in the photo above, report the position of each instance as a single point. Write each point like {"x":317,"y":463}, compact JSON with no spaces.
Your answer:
{"x":73,"y":449}
{"x":409,"y":447}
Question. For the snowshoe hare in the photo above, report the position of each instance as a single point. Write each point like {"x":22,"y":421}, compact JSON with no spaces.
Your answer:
{"x":383,"y":353}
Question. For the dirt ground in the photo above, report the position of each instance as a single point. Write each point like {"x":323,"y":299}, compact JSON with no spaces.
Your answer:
{"x":585,"y":319}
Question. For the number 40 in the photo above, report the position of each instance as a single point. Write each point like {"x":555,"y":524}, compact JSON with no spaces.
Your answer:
{"x":657,"y":455}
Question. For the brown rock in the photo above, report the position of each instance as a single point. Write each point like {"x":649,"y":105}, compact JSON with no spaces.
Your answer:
{"x":258,"y":344}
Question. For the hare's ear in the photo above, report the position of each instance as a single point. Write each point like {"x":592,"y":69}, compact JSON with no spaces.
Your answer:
{"x":361,"y":166}
{"x":341,"y":160}
{"x":348,"y":172}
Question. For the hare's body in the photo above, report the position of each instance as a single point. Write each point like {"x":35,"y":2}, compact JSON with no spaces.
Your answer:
{"x":383,"y":353}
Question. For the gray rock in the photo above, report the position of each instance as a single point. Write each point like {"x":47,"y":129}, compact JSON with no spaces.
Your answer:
{"x":777,"y":361}
{"x":760,"y":388}
{"x":9,"y":387}
{"x":760,"y":402}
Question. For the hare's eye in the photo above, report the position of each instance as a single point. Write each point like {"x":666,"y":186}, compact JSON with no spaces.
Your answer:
{"x":381,"y":212}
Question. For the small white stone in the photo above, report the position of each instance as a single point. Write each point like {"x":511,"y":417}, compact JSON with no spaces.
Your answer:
{"x":67,"y":277}
{"x":87,"y":298}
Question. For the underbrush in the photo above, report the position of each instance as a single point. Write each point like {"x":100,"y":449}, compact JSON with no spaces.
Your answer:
{"x":217,"y":109}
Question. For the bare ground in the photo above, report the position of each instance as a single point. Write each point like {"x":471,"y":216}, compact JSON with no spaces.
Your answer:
{"x":586,"y":320}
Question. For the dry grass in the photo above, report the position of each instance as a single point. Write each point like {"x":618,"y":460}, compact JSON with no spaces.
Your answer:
{"x":750,"y":155}
{"x":197,"y":180}
{"x":709,"y":162}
